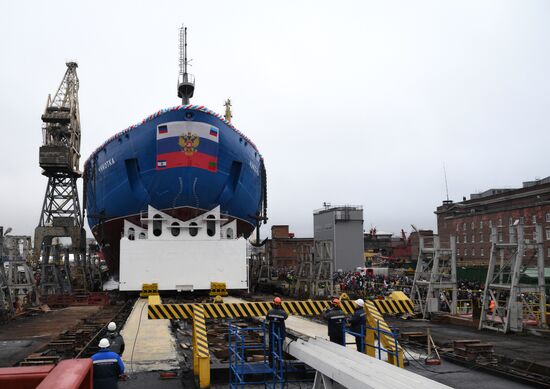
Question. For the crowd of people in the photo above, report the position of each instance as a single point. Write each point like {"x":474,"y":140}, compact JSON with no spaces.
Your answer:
{"x":370,"y":285}
{"x":374,"y":286}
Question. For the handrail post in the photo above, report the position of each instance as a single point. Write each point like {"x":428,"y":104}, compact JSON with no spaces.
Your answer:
{"x":379,"y":346}
{"x":396,"y":349}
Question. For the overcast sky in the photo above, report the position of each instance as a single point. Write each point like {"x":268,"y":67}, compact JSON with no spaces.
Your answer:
{"x":350,"y":102}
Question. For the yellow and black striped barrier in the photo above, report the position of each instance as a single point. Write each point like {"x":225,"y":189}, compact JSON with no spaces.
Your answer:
{"x":394,"y":306}
{"x":201,"y":354}
{"x":375,"y":320}
{"x":199,"y":312}
{"x":254,"y":309}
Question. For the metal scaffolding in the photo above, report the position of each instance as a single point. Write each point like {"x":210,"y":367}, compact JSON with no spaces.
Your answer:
{"x":435,"y":276}
{"x":304,"y":275}
{"x":323,"y":269}
{"x":507,"y":299}
{"x":19,"y":274}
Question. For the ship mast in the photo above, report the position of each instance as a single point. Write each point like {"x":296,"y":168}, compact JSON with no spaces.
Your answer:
{"x":186,"y":81}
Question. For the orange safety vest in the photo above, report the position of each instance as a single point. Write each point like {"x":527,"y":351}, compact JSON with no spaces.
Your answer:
{"x":492,"y":305}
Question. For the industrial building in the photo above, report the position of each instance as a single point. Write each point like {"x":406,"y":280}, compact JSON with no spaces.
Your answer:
{"x":341,"y":228}
{"x":471,"y":220}
{"x":284,"y":250}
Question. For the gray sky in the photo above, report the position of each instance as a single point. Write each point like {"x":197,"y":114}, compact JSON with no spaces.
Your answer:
{"x":351,"y":102}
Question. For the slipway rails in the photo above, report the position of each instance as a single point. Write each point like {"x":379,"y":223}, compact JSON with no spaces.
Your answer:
{"x":198,"y":313}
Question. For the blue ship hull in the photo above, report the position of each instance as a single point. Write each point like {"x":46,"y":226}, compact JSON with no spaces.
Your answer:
{"x":127,"y":173}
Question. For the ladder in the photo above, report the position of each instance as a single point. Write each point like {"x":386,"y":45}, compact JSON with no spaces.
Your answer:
{"x":243,"y":342}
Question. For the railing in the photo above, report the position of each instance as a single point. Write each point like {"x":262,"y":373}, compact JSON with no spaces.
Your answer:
{"x":240,"y":341}
{"x":531,"y":311}
{"x":378,"y":348}
{"x":466,"y":306}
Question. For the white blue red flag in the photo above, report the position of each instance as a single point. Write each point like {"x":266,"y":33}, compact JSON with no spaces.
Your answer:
{"x":192,"y":144}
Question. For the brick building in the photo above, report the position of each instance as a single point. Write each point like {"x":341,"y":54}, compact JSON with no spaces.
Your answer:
{"x":471,"y":220}
{"x":284,"y":250}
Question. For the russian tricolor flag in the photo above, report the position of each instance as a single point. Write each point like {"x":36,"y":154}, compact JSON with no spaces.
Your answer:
{"x":187,"y":144}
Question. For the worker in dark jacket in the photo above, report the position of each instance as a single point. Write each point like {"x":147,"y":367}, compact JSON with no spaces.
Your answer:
{"x":336,"y":322}
{"x":115,"y":339}
{"x":107,"y":367}
{"x":358,"y":323}
{"x":276,"y":321}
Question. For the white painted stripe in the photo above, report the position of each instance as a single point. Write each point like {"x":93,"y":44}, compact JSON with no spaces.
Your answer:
{"x":106,"y":361}
{"x":198,"y":128}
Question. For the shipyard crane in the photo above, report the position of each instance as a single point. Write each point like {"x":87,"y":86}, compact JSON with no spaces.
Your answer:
{"x":61,"y":215}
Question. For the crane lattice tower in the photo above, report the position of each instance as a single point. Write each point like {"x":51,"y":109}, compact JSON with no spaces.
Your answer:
{"x":61,"y":214}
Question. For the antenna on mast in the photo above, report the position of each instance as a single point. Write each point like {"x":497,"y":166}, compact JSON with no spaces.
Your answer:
{"x":446,"y":186}
{"x":186,"y":81}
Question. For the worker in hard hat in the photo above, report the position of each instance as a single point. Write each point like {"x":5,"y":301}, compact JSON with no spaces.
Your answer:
{"x":275,"y":319}
{"x":115,"y":339}
{"x":336,"y":322}
{"x":358,"y":323}
{"x":108,"y":366}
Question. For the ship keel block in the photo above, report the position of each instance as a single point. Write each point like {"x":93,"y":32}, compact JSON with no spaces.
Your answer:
{"x":182,"y":255}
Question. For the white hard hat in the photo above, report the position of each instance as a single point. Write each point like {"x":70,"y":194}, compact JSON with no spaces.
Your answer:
{"x":111,"y":326}
{"x":104,"y":343}
{"x":360,"y":302}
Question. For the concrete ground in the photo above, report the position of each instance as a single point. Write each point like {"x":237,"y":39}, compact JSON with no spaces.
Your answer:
{"x":25,"y":335}
{"x":457,"y":376}
{"x":149,"y":344}
{"x":527,"y":347}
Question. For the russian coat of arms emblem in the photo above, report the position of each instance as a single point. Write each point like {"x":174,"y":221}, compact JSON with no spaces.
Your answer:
{"x":189,"y":143}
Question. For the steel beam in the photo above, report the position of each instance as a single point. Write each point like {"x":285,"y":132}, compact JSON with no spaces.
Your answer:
{"x":351,"y":369}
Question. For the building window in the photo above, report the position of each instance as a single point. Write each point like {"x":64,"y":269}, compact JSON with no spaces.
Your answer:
{"x":499,"y":222}
{"x":465,"y":252}
{"x":457,"y":227}
{"x":481,"y":224}
{"x":490,"y":224}
{"x":510,"y":221}
{"x":521,"y":220}
{"x":458,"y":252}
{"x":175,"y":230}
{"x":464,"y":227}
{"x":548,"y":234}
{"x":481,"y":252}
{"x":548,"y":253}
{"x":457,"y":239}
{"x":193,"y":229}
{"x":500,"y":236}
{"x":229,"y":233}
{"x":465,"y":239}
{"x":481,"y":238}
{"x":473,"y":238}
{"x":548,"y":217}
{"x":534,"y":219}
{"x":157,"y":225}
{"x":142,"y":235}
{"x":472,"y":225}
{"x":473,"y":252}
{"x":131,"y":234}
{"x":211,"y":225}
